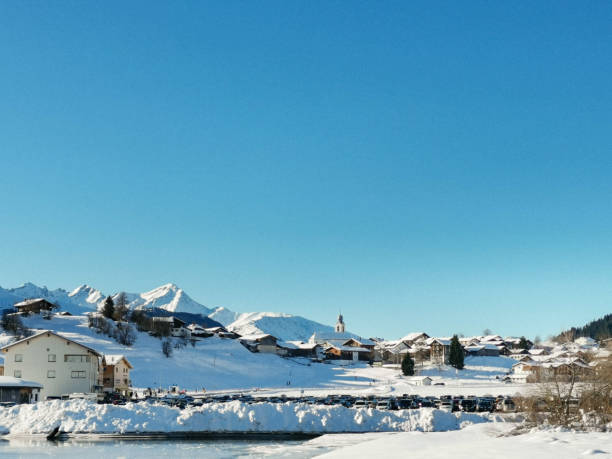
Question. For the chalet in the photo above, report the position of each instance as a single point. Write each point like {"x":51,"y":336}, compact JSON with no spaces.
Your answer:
{"x":360,"y":343}
{"x":352,"y":353}
{"x":174,"y":325}
{"x":59,"y":364}
{"x":302,"y":349}
{"x":260,"y":343}
{"x":517,"y":354}
{"x":17,"y":390}
{"x":415,"y":337}
{"x":197,"y":331}
{"x":35,"y":306}
{"x":390,"y":352}
{"x":222,"y":332}
{"x":116,"y":374}
{"x":439,"y":350}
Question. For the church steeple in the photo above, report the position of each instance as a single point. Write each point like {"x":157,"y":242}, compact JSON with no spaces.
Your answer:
{"x":340,"y":324}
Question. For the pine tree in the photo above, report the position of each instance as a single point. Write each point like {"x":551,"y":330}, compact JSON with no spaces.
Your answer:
{"x":523,"y":344}
{"x":455,"y":357}
{"x":407,"y":365}
{"x":108,"y":309}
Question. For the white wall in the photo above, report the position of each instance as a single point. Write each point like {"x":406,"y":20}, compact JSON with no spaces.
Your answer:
{"x":35,"y":365}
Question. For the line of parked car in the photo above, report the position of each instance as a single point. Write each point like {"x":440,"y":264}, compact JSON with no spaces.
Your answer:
{"x":450,"y":403}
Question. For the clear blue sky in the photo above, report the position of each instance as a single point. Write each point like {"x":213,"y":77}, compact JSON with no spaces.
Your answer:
{"x":436,"y":166}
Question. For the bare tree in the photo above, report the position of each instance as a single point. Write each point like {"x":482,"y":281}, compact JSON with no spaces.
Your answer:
{"x":125,"y":334}
{"x":121,"y":307}
{"x":167,"y":348}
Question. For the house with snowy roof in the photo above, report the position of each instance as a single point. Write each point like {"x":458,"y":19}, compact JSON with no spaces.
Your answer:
{"x":116,"y":374}
{"x":261,"y":342}
{"x":60,"y":364}
{"x":35,"y":306}
{"x":439,"y":350}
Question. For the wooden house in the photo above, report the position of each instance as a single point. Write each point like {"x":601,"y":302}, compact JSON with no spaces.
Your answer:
{"x":35,"y":306}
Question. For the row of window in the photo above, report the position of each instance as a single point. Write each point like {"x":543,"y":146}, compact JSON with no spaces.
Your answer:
{"x":51,"y":374}
{"x":71,"y":358}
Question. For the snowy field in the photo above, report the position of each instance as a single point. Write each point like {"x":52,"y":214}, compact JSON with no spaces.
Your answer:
{"x":221,"y":365}
{"x":478,"y":441}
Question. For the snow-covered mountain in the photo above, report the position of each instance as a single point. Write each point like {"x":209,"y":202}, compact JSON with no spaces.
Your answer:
{"x":284,"y":326}
{"x":224,"y":316}
{"x":169,"y":297}
{"x":173,"y":299}
{"x":86,"y":296}
{"x":8,"y":297}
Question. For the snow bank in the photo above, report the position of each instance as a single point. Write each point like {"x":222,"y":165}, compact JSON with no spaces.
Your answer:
{"x":83,"y":416}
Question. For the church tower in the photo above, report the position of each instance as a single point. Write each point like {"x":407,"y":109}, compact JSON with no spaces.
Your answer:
{"x":340,"y":324}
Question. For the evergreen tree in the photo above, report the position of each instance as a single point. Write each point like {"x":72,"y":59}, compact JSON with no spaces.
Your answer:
{"x":108,"y":309}
{"x":407,"y":365}
{"x":523,"y":344}
{"x":455,"y":357}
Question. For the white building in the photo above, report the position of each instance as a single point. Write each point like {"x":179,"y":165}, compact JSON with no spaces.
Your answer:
{"x":60,"y":365}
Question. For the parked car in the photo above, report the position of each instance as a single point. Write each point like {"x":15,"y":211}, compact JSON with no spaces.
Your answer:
{"x":387,"y":405}
{"x":506,"y":405}
{"x":447,"y":405}
{"x":360,"y":404}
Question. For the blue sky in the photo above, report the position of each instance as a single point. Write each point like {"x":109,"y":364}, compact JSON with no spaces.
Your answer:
{"x":426,"y":166}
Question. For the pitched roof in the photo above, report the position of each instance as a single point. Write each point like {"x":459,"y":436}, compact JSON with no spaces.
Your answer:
{"x":114,"y":359}
{"x":43,"y":332}
{"x":31,"y":301}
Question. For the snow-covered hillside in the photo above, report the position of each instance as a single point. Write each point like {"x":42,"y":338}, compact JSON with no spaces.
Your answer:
{"x":284,"y":326}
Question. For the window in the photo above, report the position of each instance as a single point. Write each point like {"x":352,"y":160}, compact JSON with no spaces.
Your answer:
{"x":77,"y":375}
{"x":74,"y":358}
{"x":50,"y":373}
{"x":18,"y":357}
{"x":17,"y":373}
{"x":51,"y":358}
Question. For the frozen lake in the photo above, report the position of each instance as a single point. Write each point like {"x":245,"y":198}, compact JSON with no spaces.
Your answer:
{"x":119,"y":448}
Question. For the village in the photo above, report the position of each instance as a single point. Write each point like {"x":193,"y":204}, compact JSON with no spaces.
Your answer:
{"x":47,"y":365}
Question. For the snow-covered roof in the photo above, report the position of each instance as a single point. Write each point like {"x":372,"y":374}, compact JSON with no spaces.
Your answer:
{"x":114,"y":359}
{"x":537,"y":351}
{"x":10,"y":381}
{"x":349,"y":348}
{"x":417,"y":378}
{"x":362,"y":341}
{"x":44,"y":332}
{"x":414,"y":336}
{"x":256,"y":337}
{"x":30,"y":301}
{"x":303,"y":345}
{"x":445,"y":341}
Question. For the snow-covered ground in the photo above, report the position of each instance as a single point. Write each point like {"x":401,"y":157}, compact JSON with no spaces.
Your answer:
{"x":225,"y":365}
{"x":491,"y":440}
{"x":80,"y":416}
